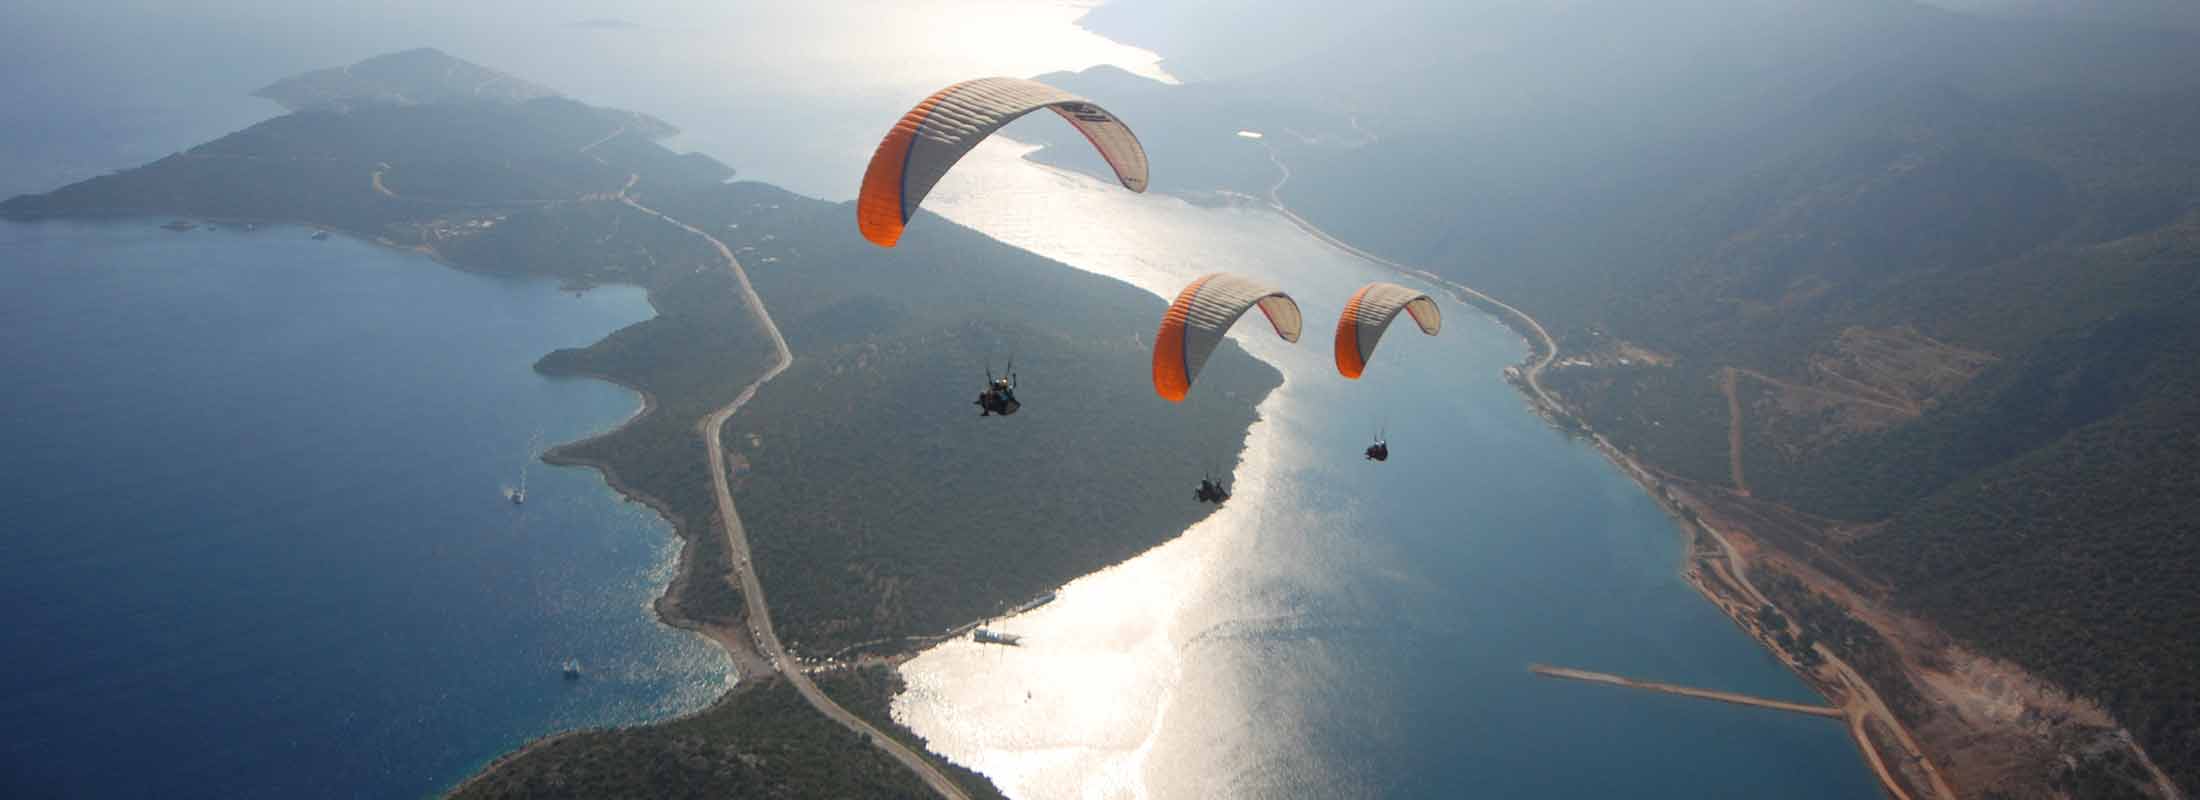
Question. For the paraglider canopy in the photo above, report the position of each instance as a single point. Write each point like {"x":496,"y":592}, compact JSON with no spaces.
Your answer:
{"x":929,"y":139}
{"x":1369,"y":313}
{"x":1196,"y":322}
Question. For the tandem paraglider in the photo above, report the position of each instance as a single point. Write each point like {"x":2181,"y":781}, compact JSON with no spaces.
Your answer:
{"x":1211,"y":491}
{"x":999,"y":396}
{"x":1366,"y":317}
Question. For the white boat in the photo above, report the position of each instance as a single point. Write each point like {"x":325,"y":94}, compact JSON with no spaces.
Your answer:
{"x":534,"y":445}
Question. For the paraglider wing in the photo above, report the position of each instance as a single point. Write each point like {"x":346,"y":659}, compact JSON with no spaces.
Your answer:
{"x":1196,"y":322}
{"x":1369,"y":313}
{"x":929,"y":139}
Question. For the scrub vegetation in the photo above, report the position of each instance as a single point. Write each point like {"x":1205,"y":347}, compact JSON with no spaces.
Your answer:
{"x":878,"y":504}
{"x":1947,"y":263}
{"x":760,"y":740}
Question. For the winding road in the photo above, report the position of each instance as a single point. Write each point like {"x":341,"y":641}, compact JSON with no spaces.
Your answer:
{"x":1864,"y":700}
{"x":763,"y":637}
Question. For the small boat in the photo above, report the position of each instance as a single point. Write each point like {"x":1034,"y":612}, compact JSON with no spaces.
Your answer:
{"x":534,"y":445}
{"x":572,"y":669}
{"x":320,"y":236}
{"x":179,"y":226}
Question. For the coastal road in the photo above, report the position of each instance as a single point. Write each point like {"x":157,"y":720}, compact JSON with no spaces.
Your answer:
{"x":762,"y":635}
{"x":1549,"y":347}
{"x":1863,"y":699}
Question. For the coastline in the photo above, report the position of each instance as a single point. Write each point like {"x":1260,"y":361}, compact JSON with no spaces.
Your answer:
{"x":734,"y":636}
{"x":747,"y":661}
{"x":1719,"y":573}
{"x":558,"y":454}
{"x":751,"y":662}
{"x":292,"y":233}
{"x":736,"y":646}
{"x":1856,"y":699}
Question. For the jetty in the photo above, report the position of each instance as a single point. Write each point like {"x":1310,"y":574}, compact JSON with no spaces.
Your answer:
{"x":1685,"y":691}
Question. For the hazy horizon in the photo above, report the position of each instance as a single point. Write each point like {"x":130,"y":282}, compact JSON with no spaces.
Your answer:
{"x":1834,"y":353}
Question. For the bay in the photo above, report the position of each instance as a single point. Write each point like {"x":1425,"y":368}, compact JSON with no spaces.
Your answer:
{"x":1343,"y":628}
{"x":256,"y":537}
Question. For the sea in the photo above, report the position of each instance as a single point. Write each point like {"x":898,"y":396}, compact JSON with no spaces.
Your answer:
{"x":255,"y":540}
{"x":1347,"y":628}
{"x":257,"y":536}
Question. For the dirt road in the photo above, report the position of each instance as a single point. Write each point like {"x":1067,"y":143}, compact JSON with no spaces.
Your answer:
{"x":1862,"y":699}
{"x":764,"y":638}
{"x":1733,"y":430}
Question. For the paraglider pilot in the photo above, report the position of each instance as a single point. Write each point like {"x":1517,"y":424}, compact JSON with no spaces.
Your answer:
{"x":1379,"y":451}
{"x":999,"y":396}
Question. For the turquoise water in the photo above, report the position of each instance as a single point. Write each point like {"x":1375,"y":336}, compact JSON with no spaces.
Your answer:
{"x":253,"y":541}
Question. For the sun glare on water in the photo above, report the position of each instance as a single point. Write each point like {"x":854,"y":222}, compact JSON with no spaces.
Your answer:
{"x":906,"y":45}
{"x":1083,"y":707}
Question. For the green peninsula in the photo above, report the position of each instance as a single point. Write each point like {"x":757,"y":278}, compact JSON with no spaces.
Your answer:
{"x":878,"y":505}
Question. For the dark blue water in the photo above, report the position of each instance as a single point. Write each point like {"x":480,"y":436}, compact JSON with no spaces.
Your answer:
{"x":252,"y":535}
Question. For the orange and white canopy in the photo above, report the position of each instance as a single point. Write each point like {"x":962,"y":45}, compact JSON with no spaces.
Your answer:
{"x":929,"y":139}
{"x":1369,"y":313}
{"x":1196,"y":322}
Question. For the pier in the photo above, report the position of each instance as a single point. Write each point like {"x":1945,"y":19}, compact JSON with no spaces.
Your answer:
{"x":1685,"y":691}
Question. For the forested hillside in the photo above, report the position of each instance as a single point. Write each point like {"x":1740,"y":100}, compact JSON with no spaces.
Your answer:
{"x":1940,"y":267}
{"x":877,"y":503}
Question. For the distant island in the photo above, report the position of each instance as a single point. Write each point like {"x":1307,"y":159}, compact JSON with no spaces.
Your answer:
{"x":878,"y":509}
{"x":412,"y":77}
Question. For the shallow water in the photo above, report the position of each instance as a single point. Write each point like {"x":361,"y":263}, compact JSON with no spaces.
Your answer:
{"x":256,"y":541}
{"x":1350,"y":629}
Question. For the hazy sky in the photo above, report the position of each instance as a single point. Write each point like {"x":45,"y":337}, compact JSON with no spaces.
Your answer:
{"x":782,"y":90}
{"x":2173,"y":13}
{"x":769,"y":87}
